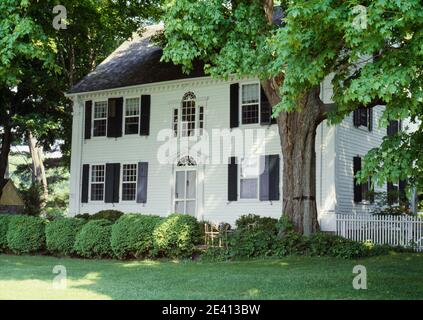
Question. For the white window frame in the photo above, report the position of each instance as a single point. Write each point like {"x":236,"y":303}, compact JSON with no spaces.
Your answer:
{"x":91,"y":183}
{"x":125,"y":116}
{"x":246,"y":104}
{"x":93,"y":118}
{"x":122,"y":182}
{"x":197,"y":130}
{"x":246,"y":178}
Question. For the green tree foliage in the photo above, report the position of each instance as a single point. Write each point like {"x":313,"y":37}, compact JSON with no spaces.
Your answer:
{"x":39,"y":63}
{"x":372,"y":51}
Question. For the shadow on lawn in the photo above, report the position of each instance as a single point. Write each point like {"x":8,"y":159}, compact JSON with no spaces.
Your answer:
{"x":290,"y":278}
{"x":146,"y":279}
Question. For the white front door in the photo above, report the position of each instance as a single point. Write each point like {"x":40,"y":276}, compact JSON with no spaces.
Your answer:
{"x":186,"y":191}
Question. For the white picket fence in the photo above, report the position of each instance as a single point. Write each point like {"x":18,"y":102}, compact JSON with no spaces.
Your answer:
{"x":405,"y":231}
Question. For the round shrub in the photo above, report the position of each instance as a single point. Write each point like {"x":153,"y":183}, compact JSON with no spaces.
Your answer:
{"x":93,"y":241}
{"x":176,"y":236}
{"x":111,"y":215}
{"x":61,"y":234}
{"x":26,"y":234}
{"x":255,"y":236}
{"x":4,"y":225}
{"x":132,"y":235}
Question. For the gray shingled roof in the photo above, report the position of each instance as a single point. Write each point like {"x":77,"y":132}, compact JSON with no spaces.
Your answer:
{"x":135,"y":62}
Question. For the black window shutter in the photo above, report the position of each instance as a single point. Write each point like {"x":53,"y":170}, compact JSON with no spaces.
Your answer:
{"x":370,"y":119}
{"x":112,"y":182}
{"x":232,"y":180}
{"x":264,"y":178}
{"x":142,"y":182}
{"x":265,"y":110}
{"x":401,"y":191}
{"x":393,"y":127}
{"x":114,"y":117}
{"x":274,"y":165}
{"x":356,"y":118}
{"x":145,"y":115}
{"x":88,"y":115}
{"x":358,"y":190}
{"x":85,"y":182}
{"x":234,"y":105}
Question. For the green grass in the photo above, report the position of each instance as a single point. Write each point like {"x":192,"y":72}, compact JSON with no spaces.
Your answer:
{"x":397,"y":276}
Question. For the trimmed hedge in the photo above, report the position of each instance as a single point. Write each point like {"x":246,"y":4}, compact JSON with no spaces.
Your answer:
{"x":132,"y":235}
{"x":61,"y":234}
{"x":26,"y":234}
{"x":4,"y":225}
{"x":176,"y":236}
{"x":93,"y":241}
{"x":111,"y":215}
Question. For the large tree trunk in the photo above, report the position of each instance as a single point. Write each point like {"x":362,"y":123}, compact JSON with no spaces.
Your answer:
{"x":38,"y":171}
{"x":297,"y":131}
{"x":6,"y":142}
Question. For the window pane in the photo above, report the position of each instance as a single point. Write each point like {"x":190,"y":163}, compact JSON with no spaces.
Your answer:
{"x":128,"y":191}
{"x":188,"y":118}
{"x":250,"y":113}
{"x":129,"y":173}
{"x":180,"y":207}
{"x":97,"y":191}
{"x":191,"y":208}
{"x":250,"y":93}
{"x":100,"y":127}
{"x":180,"y":185}
{"x":97,"y":173}
{"x":131,"y":125}
{"x":100,"y":110}
{"x":250,"y":167}
{"x":191,"y":184}
{"x":132,"y":107}
{"x":248,"y":188}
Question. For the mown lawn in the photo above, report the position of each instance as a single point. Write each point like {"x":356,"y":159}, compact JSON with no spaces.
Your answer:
{"x":397,"y":276}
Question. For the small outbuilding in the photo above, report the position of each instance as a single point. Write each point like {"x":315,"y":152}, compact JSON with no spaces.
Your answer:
{"x":10,"y":200}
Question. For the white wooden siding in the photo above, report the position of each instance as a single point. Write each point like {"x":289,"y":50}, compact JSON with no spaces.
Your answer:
{"x":335,"y":147}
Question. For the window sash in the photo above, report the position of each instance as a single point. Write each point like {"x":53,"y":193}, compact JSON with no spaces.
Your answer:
{"x":249,"y":174}
{"x":97,"y":182}
{"x":129,"y":182}
{"x":132,"y":119}
{"x":99,"y":123}
{"x":250,"y":109}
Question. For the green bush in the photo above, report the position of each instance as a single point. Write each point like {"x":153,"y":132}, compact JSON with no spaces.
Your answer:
{"x":132,"y":235}
{"x":176,"y":236}
{"x":216,"y":254}
{"x":255,"y":236}
{"x":291,"y":243}
{"x":93,"y":241}
{"x":111,"y":215}
{"x":85,"y":216}
{"x":26,"y":234}
{"x":61,"y":234}
{"x":4,"y":225}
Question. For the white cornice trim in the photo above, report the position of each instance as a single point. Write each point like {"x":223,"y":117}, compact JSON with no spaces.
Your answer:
{"x":151,"y":87}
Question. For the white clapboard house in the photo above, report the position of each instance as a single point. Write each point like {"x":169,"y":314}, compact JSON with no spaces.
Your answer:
{"x":150,"y":139}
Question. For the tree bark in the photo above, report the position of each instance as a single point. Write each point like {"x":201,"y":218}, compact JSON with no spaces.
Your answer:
{"x":38,"y":170}
{"x":6,"y":142}
{"x":297,"y":131}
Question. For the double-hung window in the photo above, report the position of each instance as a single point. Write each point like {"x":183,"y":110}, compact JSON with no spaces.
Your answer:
{"x":100,"y":119}
{"x":97,"y":182}
{"x":132,"y":115}
{"x":250,"y":103}
{"x":129,"y":182}
{"x":249,"y":178}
